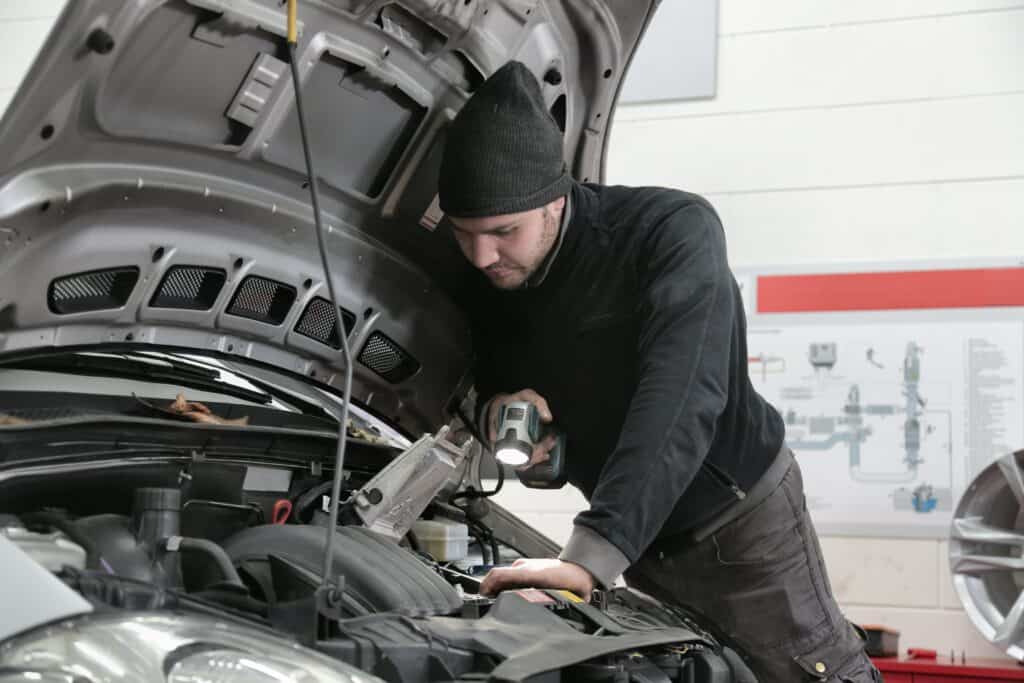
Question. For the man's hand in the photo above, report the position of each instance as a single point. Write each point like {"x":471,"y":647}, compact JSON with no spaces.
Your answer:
{"x":541,"y":452}
{"x":539,"y":574}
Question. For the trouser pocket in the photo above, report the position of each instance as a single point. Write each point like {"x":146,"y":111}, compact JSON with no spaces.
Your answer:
{"x":767,"y":576}
{"x":839,"y":660}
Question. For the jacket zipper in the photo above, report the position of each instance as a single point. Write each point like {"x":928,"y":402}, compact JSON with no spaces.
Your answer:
{"x":724,"y":479}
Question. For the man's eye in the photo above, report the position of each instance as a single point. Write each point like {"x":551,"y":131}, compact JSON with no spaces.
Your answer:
{"x":505,"y":231}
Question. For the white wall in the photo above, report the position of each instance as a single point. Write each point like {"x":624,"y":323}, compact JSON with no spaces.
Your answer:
{"x":23,"y":28}
{"x":876,"y":129}
{"x":847,"y":131}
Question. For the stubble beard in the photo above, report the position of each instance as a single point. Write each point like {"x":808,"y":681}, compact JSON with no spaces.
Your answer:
{"x":514,"y":276}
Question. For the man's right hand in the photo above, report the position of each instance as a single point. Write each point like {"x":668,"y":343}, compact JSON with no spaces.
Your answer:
{"x":541,"y":450}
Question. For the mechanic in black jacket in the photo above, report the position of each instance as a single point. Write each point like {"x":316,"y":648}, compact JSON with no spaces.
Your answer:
{"x":613,"y":309}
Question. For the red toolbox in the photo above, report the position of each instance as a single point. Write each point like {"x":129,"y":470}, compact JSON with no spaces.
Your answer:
{"x":943,"y":669}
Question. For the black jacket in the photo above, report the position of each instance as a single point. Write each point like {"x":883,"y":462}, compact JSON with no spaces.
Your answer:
{"x":637,"y":339}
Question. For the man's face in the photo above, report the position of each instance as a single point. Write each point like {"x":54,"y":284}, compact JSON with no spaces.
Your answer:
{"x":509,"y":248}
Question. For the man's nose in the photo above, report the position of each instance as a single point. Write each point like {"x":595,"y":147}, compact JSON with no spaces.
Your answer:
{"x":484,"y":252}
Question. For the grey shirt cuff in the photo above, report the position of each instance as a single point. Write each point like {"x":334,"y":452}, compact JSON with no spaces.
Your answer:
{"x":594,"y":553}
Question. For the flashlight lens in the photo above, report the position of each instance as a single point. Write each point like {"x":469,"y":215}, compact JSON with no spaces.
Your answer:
{"x":511,"y":456}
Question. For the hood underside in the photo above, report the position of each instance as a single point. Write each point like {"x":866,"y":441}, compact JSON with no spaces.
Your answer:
{"x":153,"y":190}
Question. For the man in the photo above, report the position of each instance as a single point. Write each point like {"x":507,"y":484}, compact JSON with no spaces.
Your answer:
{"x":614,"y":311}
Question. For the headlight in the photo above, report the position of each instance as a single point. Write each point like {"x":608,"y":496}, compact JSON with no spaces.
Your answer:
{"x":170,"y":648}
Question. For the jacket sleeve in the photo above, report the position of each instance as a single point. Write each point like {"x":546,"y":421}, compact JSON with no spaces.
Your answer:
{"x":686,"y":317}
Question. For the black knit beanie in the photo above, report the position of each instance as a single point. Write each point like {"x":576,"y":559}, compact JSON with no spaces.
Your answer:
{"x":503,"y":153}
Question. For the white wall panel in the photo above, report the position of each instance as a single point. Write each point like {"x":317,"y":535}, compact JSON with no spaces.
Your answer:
{"x":745,"y":16}
{"x":21,"y":41}
{"x":928,"y":58}
{"x":32,"y":9}
{"x":555,"y":525}
{"x":947,"y":594}
{"x":5,"y":97}
{"x":885,"y":572}
{"x":514,"y":495}
{"x":874,"y":145}
{"x":930,"y":220}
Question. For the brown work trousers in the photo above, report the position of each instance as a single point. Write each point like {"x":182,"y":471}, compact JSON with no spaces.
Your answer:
{"x":761,"y":583}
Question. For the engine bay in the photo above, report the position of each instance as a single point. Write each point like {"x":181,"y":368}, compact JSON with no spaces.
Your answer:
{"x":246,"y":542}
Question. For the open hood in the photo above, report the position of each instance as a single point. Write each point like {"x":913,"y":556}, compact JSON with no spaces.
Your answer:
{"x":153,"y":191}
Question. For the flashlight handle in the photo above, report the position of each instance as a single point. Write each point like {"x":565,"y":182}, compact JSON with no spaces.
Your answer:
{"x":550,"y":474}
{"x":520,"y":413}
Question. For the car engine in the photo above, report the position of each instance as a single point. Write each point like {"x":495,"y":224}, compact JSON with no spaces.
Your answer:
{"x":207,"y":546}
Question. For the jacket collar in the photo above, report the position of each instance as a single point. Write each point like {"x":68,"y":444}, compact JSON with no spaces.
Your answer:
{"x":574,"y":231}
{"x":541,"y":273}
{"x":579,"y":216}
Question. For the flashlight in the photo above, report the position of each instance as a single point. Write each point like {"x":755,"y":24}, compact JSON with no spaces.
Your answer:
{"x":519,"y":430}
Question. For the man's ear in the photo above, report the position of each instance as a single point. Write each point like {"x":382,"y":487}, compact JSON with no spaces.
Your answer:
{"x":557,"y":207}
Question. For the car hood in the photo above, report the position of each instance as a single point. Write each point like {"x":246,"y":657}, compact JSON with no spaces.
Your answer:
{"x":153,"y":190}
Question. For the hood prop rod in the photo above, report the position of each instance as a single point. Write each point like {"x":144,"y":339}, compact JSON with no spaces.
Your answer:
{"x":329,"y":593}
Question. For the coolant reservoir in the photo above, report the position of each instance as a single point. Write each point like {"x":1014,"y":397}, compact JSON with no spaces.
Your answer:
{"x":444,"y":540}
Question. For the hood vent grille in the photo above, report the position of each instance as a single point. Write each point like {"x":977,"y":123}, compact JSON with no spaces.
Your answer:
{"x":95,"y":290}
{"x":262,"y":299}
{"x":319,"y":322}
{"x":189,"y":287}
{"x":389,"y":360}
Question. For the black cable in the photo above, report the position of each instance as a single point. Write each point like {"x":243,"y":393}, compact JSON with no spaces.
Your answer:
{"x":342,"y":333}
{"x":471,"y":426}
{"x":309,"y":497}
{"x":414,"y":542}
{"x":495,"y":550}
{"x":474,"y":531}
{"x":452,"y":512}
{"x":473,"y":493}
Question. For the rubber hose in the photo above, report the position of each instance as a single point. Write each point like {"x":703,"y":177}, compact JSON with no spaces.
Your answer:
{"x":213,"y":551}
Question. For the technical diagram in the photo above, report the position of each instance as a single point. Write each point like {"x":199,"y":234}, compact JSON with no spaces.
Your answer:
{"x":851,"y":425}
{"x":889,"y":420}
{"x":923,"y":499}
{"x":765,"y":365}
{"x":822,"y":356}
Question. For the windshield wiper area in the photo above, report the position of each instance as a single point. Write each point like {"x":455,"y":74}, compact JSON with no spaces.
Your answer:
{"x":128,"y":366}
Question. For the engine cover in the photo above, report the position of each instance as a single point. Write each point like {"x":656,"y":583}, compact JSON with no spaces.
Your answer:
{"x":379,"y":576}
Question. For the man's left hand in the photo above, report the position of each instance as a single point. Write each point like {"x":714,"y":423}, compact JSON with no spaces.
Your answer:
{"x":539,"y":574}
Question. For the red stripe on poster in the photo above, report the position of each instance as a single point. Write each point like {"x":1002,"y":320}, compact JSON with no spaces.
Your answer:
{"x":963,"y":288}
